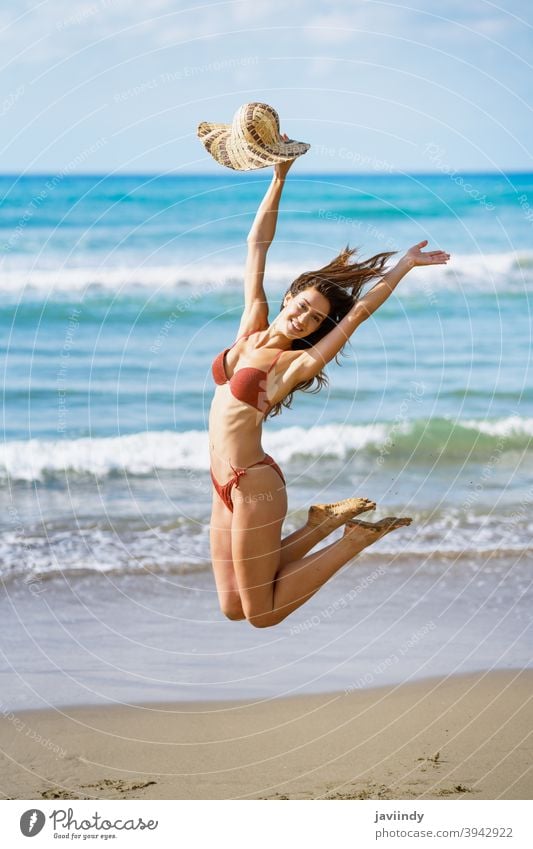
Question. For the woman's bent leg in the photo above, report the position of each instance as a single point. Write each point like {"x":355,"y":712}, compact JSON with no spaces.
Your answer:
{"x":298,"y":581}
{"x":322,"y":520}
{"x":291,"y":584}
{"x":221,"y":558}
{"x":259,"y":509}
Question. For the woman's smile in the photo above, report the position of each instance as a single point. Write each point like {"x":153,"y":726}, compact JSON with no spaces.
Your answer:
{"x":295,"y":327}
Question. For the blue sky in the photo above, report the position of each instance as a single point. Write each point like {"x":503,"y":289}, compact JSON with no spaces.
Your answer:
{"x":112,"y":85}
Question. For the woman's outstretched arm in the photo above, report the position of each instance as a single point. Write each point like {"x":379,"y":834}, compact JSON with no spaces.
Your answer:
{"x":323,"y":352}
{"x":255,"y":314}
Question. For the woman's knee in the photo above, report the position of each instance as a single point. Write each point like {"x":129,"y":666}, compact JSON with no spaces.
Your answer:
{"x":264,"y":621}
{"x":234,"y":615}
{"x":232,"y":609}
{"x":263,"y":618}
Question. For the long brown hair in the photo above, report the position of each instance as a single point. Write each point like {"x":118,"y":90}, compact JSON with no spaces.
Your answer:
{"x":341,"y":282}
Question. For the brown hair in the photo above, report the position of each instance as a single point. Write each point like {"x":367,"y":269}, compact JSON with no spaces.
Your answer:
{"x":341,"y":282}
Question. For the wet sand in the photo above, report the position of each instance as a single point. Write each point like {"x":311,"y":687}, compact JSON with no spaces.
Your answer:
{"x":455,"y":737}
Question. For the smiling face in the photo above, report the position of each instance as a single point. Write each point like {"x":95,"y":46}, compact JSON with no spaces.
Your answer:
{"x":303,"y":313}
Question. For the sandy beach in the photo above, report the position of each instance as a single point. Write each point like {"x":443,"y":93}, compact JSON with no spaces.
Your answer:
{"x":454,"y":737}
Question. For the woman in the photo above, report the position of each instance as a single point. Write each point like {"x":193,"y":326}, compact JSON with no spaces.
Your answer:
{"x":260,"y":576}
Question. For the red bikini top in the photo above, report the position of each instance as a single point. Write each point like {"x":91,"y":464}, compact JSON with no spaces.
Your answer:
{"x":246,"y":384}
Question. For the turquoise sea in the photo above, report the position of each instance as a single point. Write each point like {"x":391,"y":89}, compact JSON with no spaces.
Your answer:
{"x":116,"y":293}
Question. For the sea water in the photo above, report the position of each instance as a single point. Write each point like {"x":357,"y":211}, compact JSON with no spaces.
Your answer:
{"x":116,"y":294}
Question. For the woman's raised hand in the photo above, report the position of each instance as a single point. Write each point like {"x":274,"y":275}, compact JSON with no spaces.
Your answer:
{"x":416,"y":256}
{"x":281,"y":169}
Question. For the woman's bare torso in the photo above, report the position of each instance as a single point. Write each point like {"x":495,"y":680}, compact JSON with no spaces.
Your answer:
{"x":235,"y":427}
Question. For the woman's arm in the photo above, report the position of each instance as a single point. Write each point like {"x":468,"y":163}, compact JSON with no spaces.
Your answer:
{"x":313,"y":360}
{"x":264,"y":226}
{"x":255,"y":315}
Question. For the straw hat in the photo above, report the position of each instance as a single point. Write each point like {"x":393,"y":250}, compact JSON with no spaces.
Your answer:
{"x":251,"y":141}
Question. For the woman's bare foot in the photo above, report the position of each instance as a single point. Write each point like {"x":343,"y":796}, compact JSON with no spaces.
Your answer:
{"x":373,"y":531}
{"x":331,"y":516}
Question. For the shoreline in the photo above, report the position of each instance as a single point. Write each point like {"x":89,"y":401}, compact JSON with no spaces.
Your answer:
{"x":461,"y":736}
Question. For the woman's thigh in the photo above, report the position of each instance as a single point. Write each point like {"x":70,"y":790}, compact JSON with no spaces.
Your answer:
{"x":221,"y":558}
{"x":260,"y":506}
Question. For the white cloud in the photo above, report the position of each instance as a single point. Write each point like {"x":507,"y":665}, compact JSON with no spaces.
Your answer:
{"x":59,"y":28}
{"x":495,"y":27}
{"x":256,"y":11}
{"x":320,"y":67}
{"x":331,"y":28}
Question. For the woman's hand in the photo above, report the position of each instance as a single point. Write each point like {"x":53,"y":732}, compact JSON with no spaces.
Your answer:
{"x":281,"y":169}
{"x":415,"y":256}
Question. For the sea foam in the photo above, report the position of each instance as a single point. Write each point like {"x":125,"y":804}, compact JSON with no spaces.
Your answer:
{"x":152,"y":451}
{"x":505,"y":272}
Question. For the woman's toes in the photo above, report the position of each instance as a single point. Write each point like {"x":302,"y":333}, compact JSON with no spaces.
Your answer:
{"x":392,"y":522}
{"x":384,"y":526}
{"x":353,"y":526}
{"x":339,"y":512}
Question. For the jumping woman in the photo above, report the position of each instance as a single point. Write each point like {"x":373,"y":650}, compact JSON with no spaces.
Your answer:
{"x":259,"y":575}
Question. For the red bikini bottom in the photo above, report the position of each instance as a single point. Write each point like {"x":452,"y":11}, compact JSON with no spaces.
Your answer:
{"x":224,"y":490}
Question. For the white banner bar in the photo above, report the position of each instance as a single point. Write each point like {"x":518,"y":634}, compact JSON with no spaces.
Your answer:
{"x":268,"y":824}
